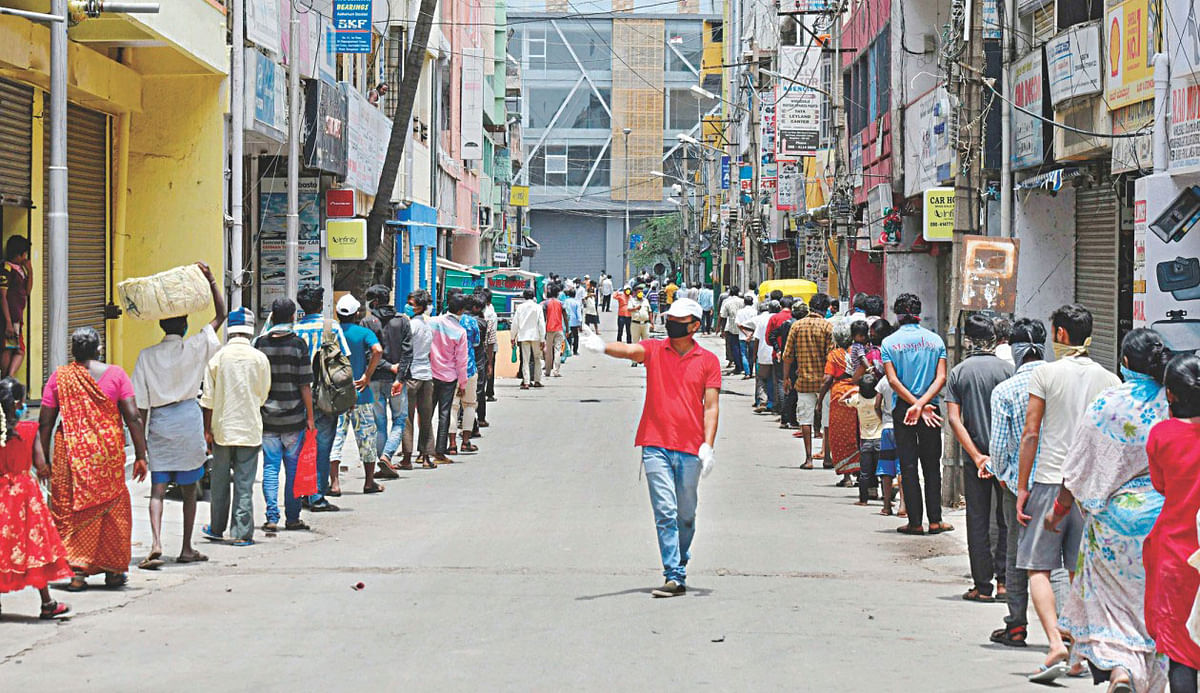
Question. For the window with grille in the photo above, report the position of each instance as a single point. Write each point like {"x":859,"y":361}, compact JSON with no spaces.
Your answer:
{"x":1045,"y":24}
{"x":394,"y":69}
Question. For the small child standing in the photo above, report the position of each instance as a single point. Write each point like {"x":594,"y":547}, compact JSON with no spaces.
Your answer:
{"x":869,"y":405}
{"x":888,"y":469}
{"x":31,"y":552}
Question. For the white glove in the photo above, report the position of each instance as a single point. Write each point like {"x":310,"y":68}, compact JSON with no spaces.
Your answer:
{"x":590,"y":341}
{"x":707,"y":459}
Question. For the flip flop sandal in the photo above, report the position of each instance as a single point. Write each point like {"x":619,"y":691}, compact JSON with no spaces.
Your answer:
{"x":194,"y":558}
{"x":372,"y":489}
{"x":974,"y":595}
{"x":806,"y":466}
{"x":1047,"y":674}
{"x":334,"y":494}
{"x":55,"y":610}
{"x":151,"y":562}
{"x":468,"y":447}
{"x":120,"y":581}
{"x":909,"y":529}
{"x":207,"y":533}
{"x":76,"y":586}
{"x":242,"y":542}
{"x":942,"y":527}
{"x":299,"y":525}
{"x":1011,"y":636}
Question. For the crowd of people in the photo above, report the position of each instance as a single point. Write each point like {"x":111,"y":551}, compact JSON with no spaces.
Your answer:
{"x":195,"y":406}
{"x":1082,"y":488}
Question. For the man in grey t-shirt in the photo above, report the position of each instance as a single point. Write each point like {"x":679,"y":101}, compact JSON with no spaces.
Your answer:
{"x":969,"y":409}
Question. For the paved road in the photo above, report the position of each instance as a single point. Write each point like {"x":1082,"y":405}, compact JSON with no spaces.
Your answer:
{"x":528,"y":567}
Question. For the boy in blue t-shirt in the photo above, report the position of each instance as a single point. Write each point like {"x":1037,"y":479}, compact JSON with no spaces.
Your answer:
{"x":365,"y":352}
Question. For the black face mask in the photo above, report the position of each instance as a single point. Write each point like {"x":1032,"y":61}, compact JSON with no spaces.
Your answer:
{"x":675,"y":330}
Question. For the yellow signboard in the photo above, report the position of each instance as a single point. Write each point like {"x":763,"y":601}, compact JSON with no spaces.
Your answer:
{"x":346,"y":239}
{"x":939,"y":215}
{"x":1131,"y":34}
{"x":519,"y":196}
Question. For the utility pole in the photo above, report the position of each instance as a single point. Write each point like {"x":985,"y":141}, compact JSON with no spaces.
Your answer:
{"x":237,"y":147}
{"x":292,"y":248}
{"x":57,"y":229}
{"x":57,"y":279}
{"x":968,"y":180}
{"x":625,"y":248}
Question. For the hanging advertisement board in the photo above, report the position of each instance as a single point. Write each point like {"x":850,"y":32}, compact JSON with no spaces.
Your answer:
{"x":367,"y":134}
{"x":272,"y":252}
{"x":266,"y":96}
{"x":1131,"y":31}
{"x":788,"y":186}
{"x":1028,"y":80}
{"x":352,"y":26}
{"x":1073,"y":61}
{"x":325,"y":113}
{"x":263,"y":25}
{"x":766,"y":125}
{"x":856,"y":161}
{"x":928,"y":154}
{"x":1183,"y":52}
{"x":938,"y":215}
{"x":471,"y":110}
{"x":797,"y":106}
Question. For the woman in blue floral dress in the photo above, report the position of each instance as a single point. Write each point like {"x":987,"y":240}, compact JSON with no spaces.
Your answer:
{"x":1107,"y":472}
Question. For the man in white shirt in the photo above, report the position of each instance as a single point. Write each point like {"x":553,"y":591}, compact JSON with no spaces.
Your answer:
{"x":606,"y":292}
{"x":745,"y":324}
{"x":166,"y":384}
{"x":764,"y":385}
{"x":727,"y":321}
{"x":529,"y":332}
{"x":1059,"y":392}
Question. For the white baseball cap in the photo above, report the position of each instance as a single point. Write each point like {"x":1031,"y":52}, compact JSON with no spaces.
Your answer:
{"x":684,"y":307}
{"x":348,"y":305}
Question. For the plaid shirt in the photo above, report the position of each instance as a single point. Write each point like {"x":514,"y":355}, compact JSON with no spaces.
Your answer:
{"x":808,"y":345}
{"x":1010,"y":401}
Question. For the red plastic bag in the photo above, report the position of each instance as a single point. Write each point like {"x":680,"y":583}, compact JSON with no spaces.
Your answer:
{"x":306,"y":469}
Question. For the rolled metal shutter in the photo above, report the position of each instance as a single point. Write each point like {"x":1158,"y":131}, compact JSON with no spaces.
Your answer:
{"x":16,"y":143}
{"x":570,"y":245}
{"x":1097,"y":249}
{"x":87,"y":209}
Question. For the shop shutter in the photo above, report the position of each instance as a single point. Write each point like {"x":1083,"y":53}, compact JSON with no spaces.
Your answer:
{"x":569,"y":245}
{"x":16,"y":142}
{"x":1097,"y":246}
{"x":87,"y":209}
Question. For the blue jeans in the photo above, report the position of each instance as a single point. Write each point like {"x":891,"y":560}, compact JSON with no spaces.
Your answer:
{"x":673,"y":478}
{"x":399,"y":408}
{"x":281,"y":450}
{"x":326,"y":430}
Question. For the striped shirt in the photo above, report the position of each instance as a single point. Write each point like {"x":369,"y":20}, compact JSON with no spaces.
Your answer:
{"x":311,"y":328}
{"x":291,"y":369}
{"x":1010,"y":400}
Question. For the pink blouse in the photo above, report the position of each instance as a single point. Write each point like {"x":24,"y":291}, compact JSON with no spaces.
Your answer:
{"x":114,"y":383}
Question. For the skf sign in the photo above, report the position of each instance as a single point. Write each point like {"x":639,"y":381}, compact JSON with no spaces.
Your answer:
{"x":352,"y":26}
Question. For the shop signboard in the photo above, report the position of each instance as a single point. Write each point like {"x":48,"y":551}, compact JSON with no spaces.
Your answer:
{"x":797,"y":103}
{"x":518,"y":196}
{"x":346,"y":239}
{"x":766,"y":125}
{"x":1183,"y":52}
{"x":1166,"y":230}
{"x":367,"y":135}
{"x":725,"y":172}
{"x":1133,"y":153}
{"x":352,"y":26}
{"x":325,"y":114}
{"x":938,"y":215}
{"x":339,"y":202}
{"x":856,"y":161}
{"x":788,"y":188}
{"x":1028,"y":83}
{"x":1073,"y":61}
{"x":1131,"y":29}
{"x":928,"y":155}
{"x":272,"y":232}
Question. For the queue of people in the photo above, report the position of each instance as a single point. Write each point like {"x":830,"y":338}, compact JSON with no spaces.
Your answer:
{"x":1082,"y":488}
{"x":196,"y":406}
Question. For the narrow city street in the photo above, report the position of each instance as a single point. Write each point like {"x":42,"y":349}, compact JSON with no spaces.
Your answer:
{"x":528,"y":567}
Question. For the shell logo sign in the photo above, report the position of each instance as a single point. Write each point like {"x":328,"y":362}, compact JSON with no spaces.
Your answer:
{"x":1132,"y":37}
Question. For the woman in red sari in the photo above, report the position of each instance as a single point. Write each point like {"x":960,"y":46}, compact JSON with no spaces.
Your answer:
{"x":87,"y":483}
{"x":843,"y":420}
{"x":31,"y":552}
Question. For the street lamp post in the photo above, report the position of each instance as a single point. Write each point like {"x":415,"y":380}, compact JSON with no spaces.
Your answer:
{"x":625,"y":246}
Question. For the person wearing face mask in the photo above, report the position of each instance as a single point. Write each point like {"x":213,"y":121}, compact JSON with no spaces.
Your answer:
{"x":640,"y":312}
{"x":1059,"y":394}
{"x":677,"y":429}
{"x":419,"y":386}
{"x":166,"y":384}
{"x":624,"y":321}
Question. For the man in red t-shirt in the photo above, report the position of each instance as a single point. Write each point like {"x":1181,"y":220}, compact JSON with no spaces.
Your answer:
{"x":556,"y":326}
{"x":624,"y":320}
{"x":677,"y":430}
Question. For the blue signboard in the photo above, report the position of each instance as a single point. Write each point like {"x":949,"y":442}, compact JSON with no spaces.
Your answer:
{"x":725,"y":172}
{"x":634,"y":240}
{"x":352,"y":26}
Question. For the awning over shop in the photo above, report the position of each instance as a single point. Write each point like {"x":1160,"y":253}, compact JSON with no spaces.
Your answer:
{"x":445,"y":264}
{"x":1050,"y":180}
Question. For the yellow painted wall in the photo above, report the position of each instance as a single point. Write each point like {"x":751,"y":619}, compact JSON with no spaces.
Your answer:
{"x":174,"y":195}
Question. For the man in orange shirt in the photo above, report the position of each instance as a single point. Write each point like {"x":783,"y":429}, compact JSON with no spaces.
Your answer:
{"x":624,"y":319}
